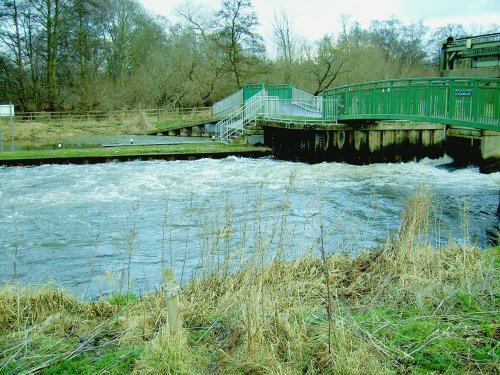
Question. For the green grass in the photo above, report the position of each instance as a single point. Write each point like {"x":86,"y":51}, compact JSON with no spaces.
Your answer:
{"x":121,"y":299}
{"x":437,"y":342}
{"x":205,"y":147}
{"x":492,"y":254}
{"x":111,"y":361}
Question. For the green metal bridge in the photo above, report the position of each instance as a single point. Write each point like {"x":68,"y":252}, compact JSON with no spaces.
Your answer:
{"x":468,"y":102}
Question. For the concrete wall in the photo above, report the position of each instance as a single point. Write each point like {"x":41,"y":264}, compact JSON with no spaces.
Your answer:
{"x":490,"y":144}
{"x":200,"y":130}
{"x":473,"y":146}
{"x":365,"y":144}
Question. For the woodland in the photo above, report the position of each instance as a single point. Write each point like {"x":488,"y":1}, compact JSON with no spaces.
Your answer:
{"x":100,"y":55}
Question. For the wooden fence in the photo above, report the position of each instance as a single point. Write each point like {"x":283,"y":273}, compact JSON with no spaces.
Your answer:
{"x":151,"y":115}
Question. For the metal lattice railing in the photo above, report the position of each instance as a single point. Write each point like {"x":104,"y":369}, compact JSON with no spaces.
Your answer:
{"x":228,"y":105}
{"x":307,"y":101}
{"x":272,"y":108}
{"x":297,"y":110}
{"x":470,"y":102}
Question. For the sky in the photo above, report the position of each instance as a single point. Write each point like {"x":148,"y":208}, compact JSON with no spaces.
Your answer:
{"x":312,"y":19}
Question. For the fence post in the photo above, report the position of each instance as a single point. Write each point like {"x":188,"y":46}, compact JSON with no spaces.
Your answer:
{"x":158,"y":114}
{"x":11,"y":121}
{"x":171,"y":290}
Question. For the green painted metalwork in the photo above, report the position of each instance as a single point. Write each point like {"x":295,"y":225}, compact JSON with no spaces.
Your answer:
{"x":470,"y":102}
{"x":252,"y":89}
{"x":481,"y":51}
{"x":280,"y":91}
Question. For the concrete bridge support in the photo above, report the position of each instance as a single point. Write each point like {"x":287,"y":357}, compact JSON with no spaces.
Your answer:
{"x":474,"y":146}
{"x":356,"y":144}
{"x":199,"y":130}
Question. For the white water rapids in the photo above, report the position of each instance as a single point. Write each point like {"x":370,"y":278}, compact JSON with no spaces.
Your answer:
{"x":81,"y":226}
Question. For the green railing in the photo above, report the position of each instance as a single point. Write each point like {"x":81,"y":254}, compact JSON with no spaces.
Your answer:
{"x":471,"y":102}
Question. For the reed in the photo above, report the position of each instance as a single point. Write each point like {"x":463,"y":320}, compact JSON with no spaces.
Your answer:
{"x":408,"y":307}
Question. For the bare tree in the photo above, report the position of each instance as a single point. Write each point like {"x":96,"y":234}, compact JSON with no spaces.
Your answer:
{"x":50,"y":19}
{"x":401,"y":44}
{"x":237,"y":38}
{"x":282,"y":30}
{"x":10,"y":15}
{"x":196,"y":19}
{"x":327,"y":65}
{"x":210,"y":67}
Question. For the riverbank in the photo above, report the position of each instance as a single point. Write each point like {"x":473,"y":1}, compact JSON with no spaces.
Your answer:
{"x":404,"y":308}
{"x":191,"y":151}
{"x":51,"y":127}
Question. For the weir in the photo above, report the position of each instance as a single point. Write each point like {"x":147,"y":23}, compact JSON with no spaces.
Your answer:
{"x":379,"y":121}
{"x":369,"y":143}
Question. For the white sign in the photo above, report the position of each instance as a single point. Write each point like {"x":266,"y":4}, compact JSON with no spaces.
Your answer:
{"x":5,"y":110}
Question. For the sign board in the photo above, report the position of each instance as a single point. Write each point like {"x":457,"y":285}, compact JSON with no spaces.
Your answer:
{"x":5,"y":110}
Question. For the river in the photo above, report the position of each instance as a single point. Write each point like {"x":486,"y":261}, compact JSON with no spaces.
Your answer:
{"x":92,"y":228}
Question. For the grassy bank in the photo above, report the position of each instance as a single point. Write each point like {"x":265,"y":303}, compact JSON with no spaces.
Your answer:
{"x":126,"y":150}
{"x":56,"y":130}
{"x":404,"y":308}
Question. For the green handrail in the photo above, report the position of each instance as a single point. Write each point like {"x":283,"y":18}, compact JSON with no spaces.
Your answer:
{"x":470,"y":102}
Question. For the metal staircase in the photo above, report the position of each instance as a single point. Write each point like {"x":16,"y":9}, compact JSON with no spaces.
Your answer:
{"x":277,"y":103}
{"x":233,"y":125}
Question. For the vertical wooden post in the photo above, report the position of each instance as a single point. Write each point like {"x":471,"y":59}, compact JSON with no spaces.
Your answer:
{"x":172,"y":290}
{"x":11,"y":121}
{"x":158,"y":114}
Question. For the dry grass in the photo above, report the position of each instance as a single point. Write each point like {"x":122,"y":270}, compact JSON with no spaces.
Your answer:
{"x":57,"y":130}
{"x":54,"y":129}
{"x":405,"y":308}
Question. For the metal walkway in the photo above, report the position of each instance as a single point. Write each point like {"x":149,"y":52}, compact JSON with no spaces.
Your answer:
{"x":469,"y":102}
{"x":297,"y":107}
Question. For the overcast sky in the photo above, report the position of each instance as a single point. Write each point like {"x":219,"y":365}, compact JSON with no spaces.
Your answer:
{"x":315,"y":18}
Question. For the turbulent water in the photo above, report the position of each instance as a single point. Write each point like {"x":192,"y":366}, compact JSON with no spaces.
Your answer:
{"x":96,"y":228}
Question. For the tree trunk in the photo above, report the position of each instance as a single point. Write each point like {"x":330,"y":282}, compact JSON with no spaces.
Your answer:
{"x":19,"y":59}
{"x":52,"y":29}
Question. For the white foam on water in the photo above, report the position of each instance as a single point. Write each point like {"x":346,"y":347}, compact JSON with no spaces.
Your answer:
{"x":83,"y":211}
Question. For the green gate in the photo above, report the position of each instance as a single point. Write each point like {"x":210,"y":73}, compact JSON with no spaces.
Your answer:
{"x":252,"y":89}
{"x":283,"y":91}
